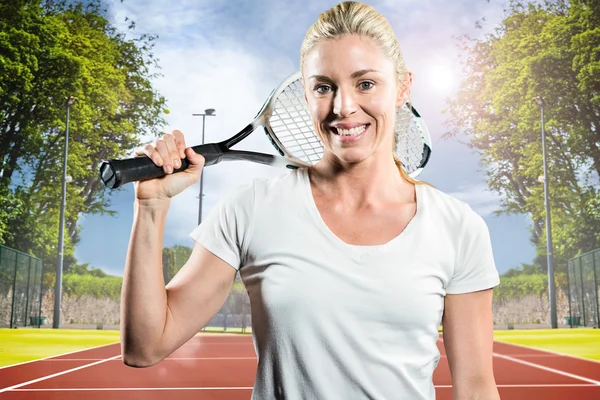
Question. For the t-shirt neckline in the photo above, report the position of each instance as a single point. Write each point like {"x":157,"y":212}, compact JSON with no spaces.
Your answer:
{"x":358,"y":250}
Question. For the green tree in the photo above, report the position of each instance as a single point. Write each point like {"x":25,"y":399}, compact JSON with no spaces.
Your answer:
{"x":168,"y":264}
{"x":182,"y":254}
{"x":50,"y":50}
{"x":548,"y":50}
{"x":173,"y":258}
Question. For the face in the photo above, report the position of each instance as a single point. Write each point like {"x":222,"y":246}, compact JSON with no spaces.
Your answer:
{"x":352,"y":91}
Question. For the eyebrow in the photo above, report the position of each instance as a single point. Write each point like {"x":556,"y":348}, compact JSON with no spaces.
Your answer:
{"x":354,"y":75}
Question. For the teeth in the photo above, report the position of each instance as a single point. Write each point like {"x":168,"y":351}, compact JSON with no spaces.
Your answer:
{"x":351,"y":132}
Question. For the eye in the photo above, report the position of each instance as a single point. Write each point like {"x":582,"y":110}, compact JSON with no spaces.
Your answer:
{"x":322,"y":89}
{"x":366,"y":85}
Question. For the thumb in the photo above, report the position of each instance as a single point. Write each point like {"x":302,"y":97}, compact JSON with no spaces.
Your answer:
{"x":196,"y":160}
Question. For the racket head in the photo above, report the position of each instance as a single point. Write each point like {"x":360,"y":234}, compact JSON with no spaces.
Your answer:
{"x":289,"y":125}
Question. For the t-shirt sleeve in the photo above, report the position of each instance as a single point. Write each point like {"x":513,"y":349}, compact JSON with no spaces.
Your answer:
{"x":475,"y":268}
{"x":226,"y":229}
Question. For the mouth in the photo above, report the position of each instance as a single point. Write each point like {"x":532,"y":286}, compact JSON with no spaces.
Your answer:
{"x":350,"y":133}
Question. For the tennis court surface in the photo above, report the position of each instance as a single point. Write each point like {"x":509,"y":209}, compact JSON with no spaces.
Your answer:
{"x":222,"y":366}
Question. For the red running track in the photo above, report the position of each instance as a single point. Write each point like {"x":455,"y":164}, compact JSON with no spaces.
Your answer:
{"x":223,"y":367}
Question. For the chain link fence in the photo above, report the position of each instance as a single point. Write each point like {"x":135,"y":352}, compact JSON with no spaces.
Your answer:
{"x":20,"y":289}
{"x":583,"y":273}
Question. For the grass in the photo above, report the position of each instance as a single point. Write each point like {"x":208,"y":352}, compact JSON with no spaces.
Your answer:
{"x":20,"y":345}
{"x":584,"y":343}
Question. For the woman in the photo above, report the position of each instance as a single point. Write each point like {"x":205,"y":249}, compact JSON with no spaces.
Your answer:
{"x":350,"y":265}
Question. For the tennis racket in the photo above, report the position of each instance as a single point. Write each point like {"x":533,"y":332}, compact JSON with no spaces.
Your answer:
{"x":289,"y":126}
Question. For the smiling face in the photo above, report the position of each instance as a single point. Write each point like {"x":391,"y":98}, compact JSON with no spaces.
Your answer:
{"x":352,"y":90}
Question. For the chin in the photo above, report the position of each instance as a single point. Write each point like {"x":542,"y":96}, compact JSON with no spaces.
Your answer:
{"x":351,"y":156}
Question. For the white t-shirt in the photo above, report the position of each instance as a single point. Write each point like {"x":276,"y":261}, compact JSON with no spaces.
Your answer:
{"x":336,"y":321}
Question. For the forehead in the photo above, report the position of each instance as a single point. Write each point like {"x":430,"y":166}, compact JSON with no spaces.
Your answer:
{"x":344,"y":56}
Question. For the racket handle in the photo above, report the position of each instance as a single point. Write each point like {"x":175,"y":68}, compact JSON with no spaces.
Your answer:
{"x":116,"y":173}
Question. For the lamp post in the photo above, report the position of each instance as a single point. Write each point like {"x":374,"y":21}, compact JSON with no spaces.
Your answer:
{"x":551,"y":285}
{"x":210,"y":112}
{"x":69,"y":101}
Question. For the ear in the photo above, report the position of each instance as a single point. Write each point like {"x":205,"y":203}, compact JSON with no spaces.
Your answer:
{"x":404,"y":88}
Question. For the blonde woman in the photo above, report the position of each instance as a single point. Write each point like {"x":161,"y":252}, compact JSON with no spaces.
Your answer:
{"x":350,"y":265}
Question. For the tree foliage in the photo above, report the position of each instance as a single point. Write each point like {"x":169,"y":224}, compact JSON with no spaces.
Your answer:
{"x":524,"y":284}
{"x":551,"y":50}
{"x":173,"y":258}
{"x":51,"y":50}
{"x":107,"y":287}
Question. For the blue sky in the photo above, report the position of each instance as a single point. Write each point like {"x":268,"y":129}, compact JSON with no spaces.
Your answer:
{"x":230,"y":55}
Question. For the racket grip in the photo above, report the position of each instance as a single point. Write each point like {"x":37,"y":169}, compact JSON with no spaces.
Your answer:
{"x":116,"y":173}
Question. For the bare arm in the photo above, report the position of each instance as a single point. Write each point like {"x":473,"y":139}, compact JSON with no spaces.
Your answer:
{"x":156,"y":320}
{"x":468,"y":339}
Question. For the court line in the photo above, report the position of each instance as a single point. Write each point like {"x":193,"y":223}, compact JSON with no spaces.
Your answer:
{"x":43,"y":378}
{"x":166,"y":359}
{"x":542,"y":367}
{"x":130,"y":389}
{"x":548,"y":369}
{"x":59,"y":355}
{"x":556,"y":353}
{"x":53,"y":359}
{"x":534,"y":385}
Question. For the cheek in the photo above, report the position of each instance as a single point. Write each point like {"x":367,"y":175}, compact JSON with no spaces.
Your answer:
{"x":319,"y":111}
{"x":384,"y":113}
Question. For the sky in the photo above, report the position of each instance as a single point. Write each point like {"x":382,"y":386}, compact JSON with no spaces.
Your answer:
{"x":229,"y":55}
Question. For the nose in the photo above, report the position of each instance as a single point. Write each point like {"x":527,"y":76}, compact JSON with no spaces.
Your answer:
{"x":344,"y":102}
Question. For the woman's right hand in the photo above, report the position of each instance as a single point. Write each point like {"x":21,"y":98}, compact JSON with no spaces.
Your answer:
{"x":167,"y":153}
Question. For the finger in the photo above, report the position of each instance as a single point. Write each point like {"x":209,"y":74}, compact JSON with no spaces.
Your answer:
{"x":141,"y":150}
{"x":163,"y":151}
{"x":172,"y":148}
{"x":151,"y":153}
{"x":180,"y":142}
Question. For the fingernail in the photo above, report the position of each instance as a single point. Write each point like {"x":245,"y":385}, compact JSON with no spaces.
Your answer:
{"x":169,"y":169}
{"x":176,"y":163}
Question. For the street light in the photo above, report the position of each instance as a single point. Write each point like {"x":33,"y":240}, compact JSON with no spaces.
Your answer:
{"x":210,"y":112}
{"x":551,"y":285}
{"x":69,"y":101}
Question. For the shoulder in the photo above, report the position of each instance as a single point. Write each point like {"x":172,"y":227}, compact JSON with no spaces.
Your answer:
{"x":443,"y":204}
{"x":279,"y":190}
{"x":259,"y":190}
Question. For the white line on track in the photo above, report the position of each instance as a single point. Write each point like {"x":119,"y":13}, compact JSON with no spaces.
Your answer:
{"x":166,"y":359}
{"x":43,"y":378}
{"x":550,"y":385}
{"x":542,"y":367}
{"x":130,"y":389}
{"x":554,"y":353}
{"x":59,"y":355}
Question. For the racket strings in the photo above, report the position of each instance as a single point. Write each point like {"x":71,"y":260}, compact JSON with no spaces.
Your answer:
{"x":292,"y":124}
{"x":409,"y":139}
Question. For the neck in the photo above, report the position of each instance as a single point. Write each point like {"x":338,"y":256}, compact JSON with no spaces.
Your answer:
{"x":369,"y":183}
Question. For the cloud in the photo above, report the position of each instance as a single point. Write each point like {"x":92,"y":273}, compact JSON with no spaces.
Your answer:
{"x":479,"y":197}
{"x":199,"y":72}
{"x":235,"y":83}
{"x":230,"y":55}
{"x":215,"y":56}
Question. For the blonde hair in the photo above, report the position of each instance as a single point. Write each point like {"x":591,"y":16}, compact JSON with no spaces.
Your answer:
{"x":354,"y":18}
